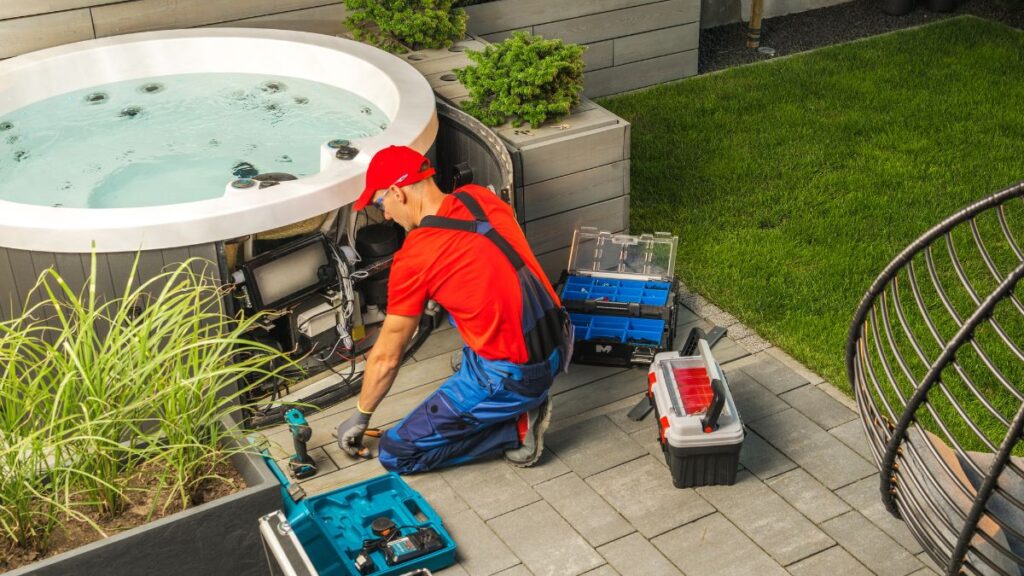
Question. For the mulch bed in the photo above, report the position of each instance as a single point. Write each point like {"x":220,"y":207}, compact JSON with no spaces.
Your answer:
{"x":144,"y":508}
{"x":726,"y":46}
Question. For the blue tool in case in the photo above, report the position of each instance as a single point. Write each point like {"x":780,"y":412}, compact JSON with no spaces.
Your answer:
{"x":620,"y":291}
{"x":378,"y":527}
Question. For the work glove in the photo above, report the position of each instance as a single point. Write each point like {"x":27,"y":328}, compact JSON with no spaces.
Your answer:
{"x":350,"y":434}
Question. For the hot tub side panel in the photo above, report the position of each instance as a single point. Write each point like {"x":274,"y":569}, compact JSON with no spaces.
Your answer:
{"x":20,"y":270}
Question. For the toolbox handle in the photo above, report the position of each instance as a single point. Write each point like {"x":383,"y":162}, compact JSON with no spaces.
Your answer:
{"x":692,"y":339}
{"x":710,"y":421}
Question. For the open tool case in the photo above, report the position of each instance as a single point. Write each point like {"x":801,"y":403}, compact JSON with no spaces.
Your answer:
{"x":698,"y":425}
{"x":338,"y":532}
{"x":620,"y":291}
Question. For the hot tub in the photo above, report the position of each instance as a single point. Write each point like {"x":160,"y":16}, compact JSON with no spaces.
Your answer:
{"x":34,"y":236}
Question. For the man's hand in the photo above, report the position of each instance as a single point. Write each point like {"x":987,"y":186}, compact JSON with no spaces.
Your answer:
{"x":350,"y":434}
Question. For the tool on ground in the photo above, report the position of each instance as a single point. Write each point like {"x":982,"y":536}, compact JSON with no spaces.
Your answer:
{"x":364,"y":451}
{"x":380,"y":526}
{"x":699,"y":427}
{"x":689,"y":348}
{"x":301,"y":464}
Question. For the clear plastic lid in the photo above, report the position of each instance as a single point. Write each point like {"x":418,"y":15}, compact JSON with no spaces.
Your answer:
{"x":647,"y":256}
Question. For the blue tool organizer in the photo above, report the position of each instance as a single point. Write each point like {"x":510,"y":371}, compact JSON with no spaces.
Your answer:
{"x":333,"y":526}
{"x":641,"y":331}
{"x":645,"y":292}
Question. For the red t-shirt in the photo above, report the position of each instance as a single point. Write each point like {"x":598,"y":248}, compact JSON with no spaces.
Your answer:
{"x":469,"y":276}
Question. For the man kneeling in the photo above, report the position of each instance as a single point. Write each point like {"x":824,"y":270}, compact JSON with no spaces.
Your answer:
{"x":466,"y":252}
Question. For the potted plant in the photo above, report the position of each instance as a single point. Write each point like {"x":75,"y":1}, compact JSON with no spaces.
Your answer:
{"x":122,"y":409}
{"x":398,"y":25}
{"x":525,"y":78}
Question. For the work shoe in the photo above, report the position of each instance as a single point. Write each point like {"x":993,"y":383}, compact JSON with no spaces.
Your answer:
{"x":529,"y":452}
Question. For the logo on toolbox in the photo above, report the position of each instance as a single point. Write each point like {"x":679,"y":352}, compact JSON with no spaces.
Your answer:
{"x":606,"y":349}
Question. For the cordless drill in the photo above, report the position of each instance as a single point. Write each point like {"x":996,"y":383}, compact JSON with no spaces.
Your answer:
{"x":300,"y":464}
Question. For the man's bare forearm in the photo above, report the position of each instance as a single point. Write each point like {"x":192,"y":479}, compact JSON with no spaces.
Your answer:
{"x":384,"y":360}
{"x":381,"y":371}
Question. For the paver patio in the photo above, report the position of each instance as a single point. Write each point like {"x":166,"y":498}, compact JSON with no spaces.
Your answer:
{"x":601,"y":500}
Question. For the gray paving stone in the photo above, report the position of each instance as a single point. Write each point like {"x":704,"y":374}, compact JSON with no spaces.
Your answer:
{"x":852,"y":434}
{"x":490,"y":487}
{"x":808,"y":495}
{"x":438,"y":493}
{"x":549,"y":466}
{"x":649,"y":440}
{"x":634,"y":555}
{"x":773,"y":374}
{"x":517,"y":570}
{"x":545,"y":542}
{"x":925,"y":572}
{"x":454,"y":570}
{"x":864,"y":497}
{"x":813,"y":449}
{"x":643,"y":493}
{"x":761,"y":458}
{"x":593,"y":446}
{"x":628,"y":383}
{"x":832,"y":562}
{"x":364,"y":470}
{"x":324,"y":464}
{"x":605,"y":570}
{"x":795,"y":366}
{"x":929,"y":564}
{"x":767,"y":519}
{"x":619,"y":415}
{"x":814,"y":403}
{"x":587,"y":512}
{"x":712,"y":546}
{"x":872,"y":547}
{"x":580,"y":375}
{"x":478,"y":549}
{"x":753,"y":400}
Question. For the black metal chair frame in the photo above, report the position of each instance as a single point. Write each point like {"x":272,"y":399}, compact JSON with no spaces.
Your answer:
{"x":908,"y":488}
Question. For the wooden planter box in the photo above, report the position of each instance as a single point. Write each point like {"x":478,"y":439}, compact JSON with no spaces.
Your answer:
{"x":574,"y":172}
{"x":219,"y":537}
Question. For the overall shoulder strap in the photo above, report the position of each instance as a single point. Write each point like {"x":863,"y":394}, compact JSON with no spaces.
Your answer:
{"x":480,"y":225}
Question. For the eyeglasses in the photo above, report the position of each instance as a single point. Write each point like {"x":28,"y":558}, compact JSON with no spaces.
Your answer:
{"x":379,"y":202}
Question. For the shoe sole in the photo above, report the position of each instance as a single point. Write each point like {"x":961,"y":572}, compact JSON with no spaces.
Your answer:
{"x":541,"y":427}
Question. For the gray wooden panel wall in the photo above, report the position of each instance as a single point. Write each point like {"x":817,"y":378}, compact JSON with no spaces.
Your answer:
{"x":20,"y":270}
{"x":631,"y":43}
{"x":27,"y":25}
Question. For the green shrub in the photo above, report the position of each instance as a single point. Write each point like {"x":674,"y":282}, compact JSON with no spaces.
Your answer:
{"x":523,"y":79}
{"x":396,"y":24}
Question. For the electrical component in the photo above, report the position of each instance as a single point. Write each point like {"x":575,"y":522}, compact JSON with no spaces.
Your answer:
{"x":420,"y":543}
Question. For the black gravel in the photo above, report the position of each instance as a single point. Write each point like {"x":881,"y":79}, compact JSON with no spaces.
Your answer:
{"x":726,"y":46}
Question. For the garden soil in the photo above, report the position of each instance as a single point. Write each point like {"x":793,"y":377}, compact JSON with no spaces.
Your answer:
{"x":145,"y":508}
{"x":725,"y":46}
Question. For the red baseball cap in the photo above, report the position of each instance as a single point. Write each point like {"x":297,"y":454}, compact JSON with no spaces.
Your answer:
{"x":394,"y":165}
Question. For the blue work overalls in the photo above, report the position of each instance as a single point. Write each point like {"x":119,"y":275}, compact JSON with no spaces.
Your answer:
{"x":475,"y":412}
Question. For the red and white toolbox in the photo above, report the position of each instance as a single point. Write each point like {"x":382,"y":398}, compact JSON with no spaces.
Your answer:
{"x":698,"y":425}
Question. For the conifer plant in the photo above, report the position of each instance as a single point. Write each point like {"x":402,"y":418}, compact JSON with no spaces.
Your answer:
{"x":396,"y":25}
{"x":525,"y":78}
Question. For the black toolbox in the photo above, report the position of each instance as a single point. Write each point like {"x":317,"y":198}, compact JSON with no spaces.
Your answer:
{"x":699,"y":426}
{"x":621,"y":292}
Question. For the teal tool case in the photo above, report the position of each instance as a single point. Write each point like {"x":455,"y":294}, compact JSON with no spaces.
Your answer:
{"x":621,"y":293}
{"x":333,"y":527}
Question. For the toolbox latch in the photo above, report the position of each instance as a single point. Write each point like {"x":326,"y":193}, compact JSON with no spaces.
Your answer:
{"x":642,"y":355}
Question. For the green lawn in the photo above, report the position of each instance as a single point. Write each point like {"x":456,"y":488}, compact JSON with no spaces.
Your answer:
{"x":793,"y":182}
